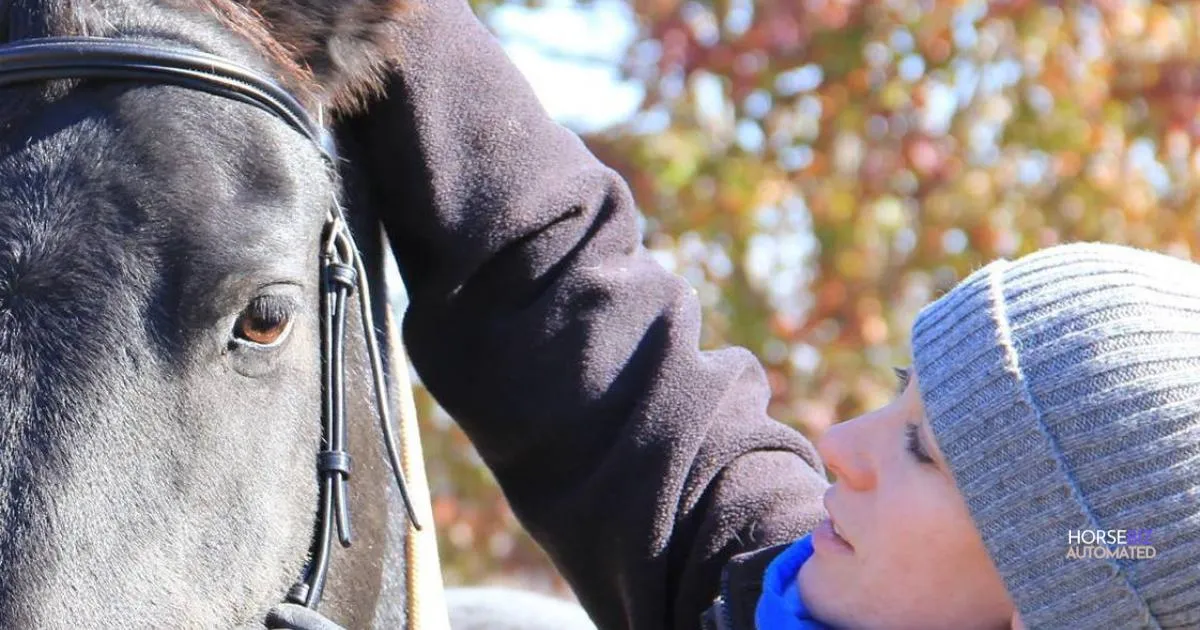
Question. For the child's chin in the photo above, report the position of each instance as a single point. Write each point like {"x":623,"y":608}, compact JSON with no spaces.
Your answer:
{"x":825,"y":593}
{"x":814,"y":582}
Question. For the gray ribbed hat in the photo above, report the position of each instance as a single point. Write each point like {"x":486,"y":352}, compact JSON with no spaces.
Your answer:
{"x":1064,"y":390}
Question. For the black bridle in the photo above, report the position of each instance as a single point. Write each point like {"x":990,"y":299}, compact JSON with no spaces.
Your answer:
{"x":48,"y":59}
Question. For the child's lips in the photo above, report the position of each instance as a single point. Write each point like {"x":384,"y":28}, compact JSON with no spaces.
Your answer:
{"x":826,"y":539}
{"x":837,"y":529}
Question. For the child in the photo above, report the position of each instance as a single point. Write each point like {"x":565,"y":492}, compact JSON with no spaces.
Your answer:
{"x":1050,"y":398}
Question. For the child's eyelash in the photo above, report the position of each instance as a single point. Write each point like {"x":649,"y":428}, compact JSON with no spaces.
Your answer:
{"x":903,"y":375}
{"x":914,"y":445}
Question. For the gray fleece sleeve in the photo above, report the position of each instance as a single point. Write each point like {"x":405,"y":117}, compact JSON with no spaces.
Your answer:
{"x":570,"y":358}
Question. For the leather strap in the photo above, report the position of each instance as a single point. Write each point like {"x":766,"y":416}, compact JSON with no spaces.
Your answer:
{"x":60,"y":58}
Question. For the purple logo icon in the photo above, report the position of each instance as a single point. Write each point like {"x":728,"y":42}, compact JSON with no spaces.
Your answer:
{"x":1138,"y":536}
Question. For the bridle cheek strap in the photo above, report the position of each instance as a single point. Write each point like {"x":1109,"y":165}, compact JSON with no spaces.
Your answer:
{"x":342,"y":272}
{"x":295,"y":617}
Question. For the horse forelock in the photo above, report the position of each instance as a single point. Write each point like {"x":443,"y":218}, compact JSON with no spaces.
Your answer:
{"x":330,"y":53}
{"x":339,"y":51}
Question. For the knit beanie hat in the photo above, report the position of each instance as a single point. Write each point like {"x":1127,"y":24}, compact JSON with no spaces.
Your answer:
{"x":1063,"y":389}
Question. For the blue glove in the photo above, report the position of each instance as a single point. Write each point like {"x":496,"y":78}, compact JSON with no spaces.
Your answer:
{"x":779,"y":606}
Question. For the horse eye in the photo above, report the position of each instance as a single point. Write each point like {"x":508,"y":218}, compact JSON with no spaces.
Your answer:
{"x":264,"y":322}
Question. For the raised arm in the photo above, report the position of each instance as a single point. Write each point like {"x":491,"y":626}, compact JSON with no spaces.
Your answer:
{"x":570,"y":358}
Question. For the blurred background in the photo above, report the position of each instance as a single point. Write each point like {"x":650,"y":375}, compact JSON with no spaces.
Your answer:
{"x":821,"y":169}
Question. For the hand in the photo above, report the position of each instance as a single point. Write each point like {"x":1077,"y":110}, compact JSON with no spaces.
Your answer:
{"x":1017,"y":624}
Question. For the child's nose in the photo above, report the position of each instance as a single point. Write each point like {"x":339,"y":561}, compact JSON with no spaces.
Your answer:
{"x":843,"y":449}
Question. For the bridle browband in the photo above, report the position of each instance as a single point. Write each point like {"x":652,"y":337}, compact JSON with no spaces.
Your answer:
{"x":48,"y":59}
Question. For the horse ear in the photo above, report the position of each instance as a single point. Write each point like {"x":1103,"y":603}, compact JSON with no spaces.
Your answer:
{"x":337,"y":51}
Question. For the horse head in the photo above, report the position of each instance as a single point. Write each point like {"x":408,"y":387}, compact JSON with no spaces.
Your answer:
{"x":160,"y":343}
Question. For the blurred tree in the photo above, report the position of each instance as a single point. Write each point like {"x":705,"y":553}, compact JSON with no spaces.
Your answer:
{"x":819,"y":170}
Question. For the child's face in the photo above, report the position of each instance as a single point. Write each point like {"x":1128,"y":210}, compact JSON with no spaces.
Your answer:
{"x":913,"y":558}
